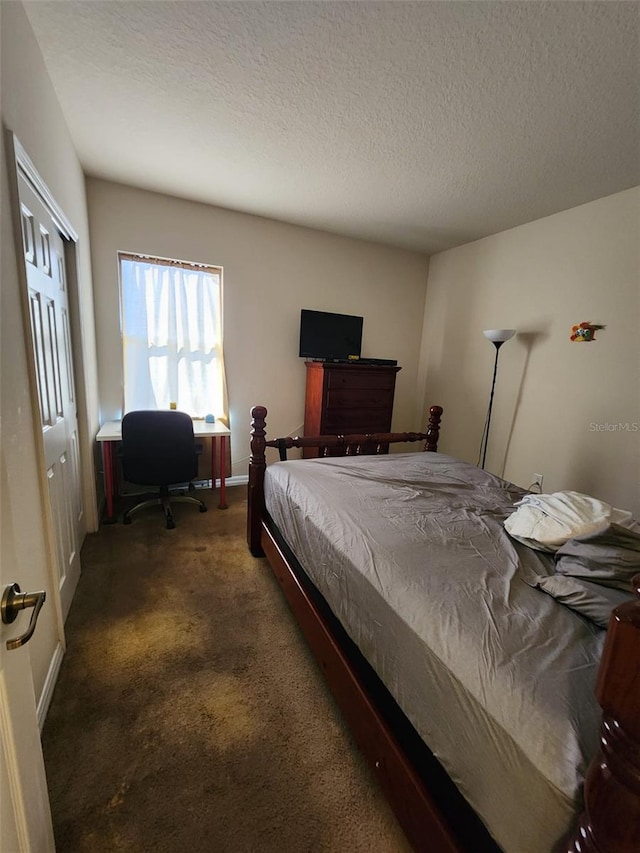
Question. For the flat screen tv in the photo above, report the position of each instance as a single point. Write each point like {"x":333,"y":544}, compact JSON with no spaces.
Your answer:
{"x":330,"y":336}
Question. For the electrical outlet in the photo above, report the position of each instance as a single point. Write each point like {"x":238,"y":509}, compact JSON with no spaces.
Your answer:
{"x":537,"y":481}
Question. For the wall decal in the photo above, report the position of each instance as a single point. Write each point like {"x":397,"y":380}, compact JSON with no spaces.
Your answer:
{"x":585,"y":332}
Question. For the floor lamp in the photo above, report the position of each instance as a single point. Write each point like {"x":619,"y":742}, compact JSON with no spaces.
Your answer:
{"x":497,"y":338}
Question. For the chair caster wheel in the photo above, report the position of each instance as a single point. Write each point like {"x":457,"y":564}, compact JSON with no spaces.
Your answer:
{"x":126,"y":519}
{"x":203,"y":509}
{"x":170,"y":524}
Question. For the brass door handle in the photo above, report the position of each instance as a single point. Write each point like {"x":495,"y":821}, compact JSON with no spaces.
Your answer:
{"x":13,"y":601}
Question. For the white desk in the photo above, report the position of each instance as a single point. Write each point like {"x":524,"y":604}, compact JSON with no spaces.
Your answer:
{"x":111,"y":433}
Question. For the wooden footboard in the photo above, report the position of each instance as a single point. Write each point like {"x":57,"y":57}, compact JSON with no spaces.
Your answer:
{"x":611,"y":820}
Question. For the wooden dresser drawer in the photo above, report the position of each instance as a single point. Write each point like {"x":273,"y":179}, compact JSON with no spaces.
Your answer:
{"x":359,"y":398}
{"x":353,"y":377}
{"x":347,"y":421}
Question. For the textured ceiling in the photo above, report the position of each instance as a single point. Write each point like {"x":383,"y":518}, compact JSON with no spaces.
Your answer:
{"x":418,"y":124}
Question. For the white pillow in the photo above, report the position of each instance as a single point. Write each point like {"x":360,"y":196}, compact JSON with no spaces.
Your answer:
{"x":546,"y":522}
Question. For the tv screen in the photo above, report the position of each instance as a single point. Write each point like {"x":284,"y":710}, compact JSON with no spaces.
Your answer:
{"x":329,"y":336}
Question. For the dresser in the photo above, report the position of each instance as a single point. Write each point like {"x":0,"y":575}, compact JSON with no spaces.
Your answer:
{"x":348,"y":398}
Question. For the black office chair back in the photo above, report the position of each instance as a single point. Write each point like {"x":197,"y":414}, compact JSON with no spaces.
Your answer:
{"x":158,"y":448}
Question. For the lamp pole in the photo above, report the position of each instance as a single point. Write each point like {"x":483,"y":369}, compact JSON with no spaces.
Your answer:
{"x":497,"y":345}
{"x":497,"y":338}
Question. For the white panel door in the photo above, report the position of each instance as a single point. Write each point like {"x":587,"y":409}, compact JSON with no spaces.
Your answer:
{"x":50,"y":333}
{"x":25,"y":815}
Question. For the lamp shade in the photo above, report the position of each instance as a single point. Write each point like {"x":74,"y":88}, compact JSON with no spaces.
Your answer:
{"x":499,"y":335}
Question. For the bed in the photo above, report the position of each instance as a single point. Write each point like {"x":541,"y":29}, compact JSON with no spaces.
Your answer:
{"x":469,"y":690}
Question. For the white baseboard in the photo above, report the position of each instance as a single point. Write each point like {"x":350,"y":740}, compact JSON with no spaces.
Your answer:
{"x":49,"y":684}
{"x":240,"y":480}
{"x":129,"y":490}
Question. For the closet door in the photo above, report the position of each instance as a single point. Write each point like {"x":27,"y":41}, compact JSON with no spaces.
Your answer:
{"x":51,"y":342}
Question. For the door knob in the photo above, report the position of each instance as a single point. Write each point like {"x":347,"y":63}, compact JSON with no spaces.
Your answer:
{"x":13,"y":601}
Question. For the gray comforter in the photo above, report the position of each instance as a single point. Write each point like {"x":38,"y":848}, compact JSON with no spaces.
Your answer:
{"x":411,"y":554}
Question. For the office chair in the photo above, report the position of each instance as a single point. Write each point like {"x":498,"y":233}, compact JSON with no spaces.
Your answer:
{"x":158,"y":449}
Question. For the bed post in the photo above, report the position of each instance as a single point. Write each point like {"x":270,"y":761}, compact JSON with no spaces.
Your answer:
{"x":610,"y":822}
{"x":257,"y":466}
{"x":433,"y":429}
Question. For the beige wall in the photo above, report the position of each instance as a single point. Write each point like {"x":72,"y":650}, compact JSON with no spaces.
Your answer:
{"x":271,"y":271}
{"x":30,"y":109}
{"x":551,"y":394}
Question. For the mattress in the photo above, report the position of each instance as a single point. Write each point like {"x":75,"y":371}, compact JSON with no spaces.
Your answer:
{"x":498,"y":678}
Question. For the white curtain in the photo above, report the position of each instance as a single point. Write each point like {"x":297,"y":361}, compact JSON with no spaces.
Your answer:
{"x":172,"y":338}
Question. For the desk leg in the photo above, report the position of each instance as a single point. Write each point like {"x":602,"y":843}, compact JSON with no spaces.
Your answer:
{"x":223,"y":465}
{"x":108,"y":462}
{"x":214,"y":450}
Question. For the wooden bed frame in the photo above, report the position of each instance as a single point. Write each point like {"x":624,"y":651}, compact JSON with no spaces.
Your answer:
{"x":434,"y":816}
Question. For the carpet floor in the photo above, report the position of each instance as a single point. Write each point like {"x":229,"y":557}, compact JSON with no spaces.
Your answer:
{"x":189,"y":714}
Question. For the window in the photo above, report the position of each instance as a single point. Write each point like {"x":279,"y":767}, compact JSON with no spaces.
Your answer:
{"x":172,"y":336}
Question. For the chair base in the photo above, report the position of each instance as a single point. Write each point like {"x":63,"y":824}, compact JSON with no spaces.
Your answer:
{"x":164,"y":500}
